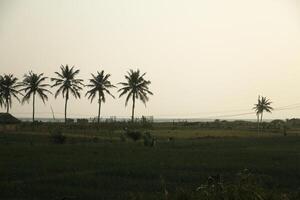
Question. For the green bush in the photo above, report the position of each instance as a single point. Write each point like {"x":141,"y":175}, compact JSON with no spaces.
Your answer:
{"x":57,"y":137}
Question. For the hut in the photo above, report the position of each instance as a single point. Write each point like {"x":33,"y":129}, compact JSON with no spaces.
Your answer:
{"x":8,"y":122}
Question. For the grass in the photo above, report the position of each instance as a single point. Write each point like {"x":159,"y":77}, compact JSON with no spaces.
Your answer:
{"x":33,"y":168}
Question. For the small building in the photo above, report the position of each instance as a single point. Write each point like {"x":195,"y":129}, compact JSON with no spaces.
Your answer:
{"x":8,"y":122}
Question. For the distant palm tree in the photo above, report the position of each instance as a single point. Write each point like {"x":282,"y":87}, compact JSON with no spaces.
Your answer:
{"x":99,"y":85}
{"x":263,"y":104}
{"x":1,"y":93}
{"x":32,"y":85}
{"x":67,"y":84}
{"x":9,"y":88}
{"x":136,"y":87}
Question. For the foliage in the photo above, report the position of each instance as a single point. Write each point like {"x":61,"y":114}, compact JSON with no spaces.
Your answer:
{"x":1,"y":92}
{"x":149,"y":140}
{"x":134,"y":135}
{"x":99,"y":84}
{"x":67,"y":82}
{"x":57,"y":136}
{"x":245,"y":187}
{"x":8,"y":90}
{"x":34,"y":84}
{"x":107,"y":170}
{"x":136,"y":87}
{"x":263,"y":104}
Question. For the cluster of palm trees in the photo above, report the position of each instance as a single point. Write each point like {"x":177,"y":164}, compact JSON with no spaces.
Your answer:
{"x":263,"y":104}
{"x":67,"y":83}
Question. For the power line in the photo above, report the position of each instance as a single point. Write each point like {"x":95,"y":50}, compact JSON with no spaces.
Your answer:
{"x":287,"y":107}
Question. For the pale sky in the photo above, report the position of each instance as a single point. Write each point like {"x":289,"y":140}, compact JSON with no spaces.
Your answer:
{"x":205,"y":58}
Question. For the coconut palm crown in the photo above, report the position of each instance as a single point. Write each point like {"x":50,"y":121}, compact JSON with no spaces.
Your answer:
{"x":263,"y":104}
{"x":33,"y":84}
{"x":100,"y":85}
{"x":8,"y":89}
{"x":136,"y":87}
{"x":67,"y":83}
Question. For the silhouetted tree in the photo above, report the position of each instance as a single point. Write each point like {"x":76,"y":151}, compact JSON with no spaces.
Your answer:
{"x":263,"y":104}
{"x":99,"y":85}
{"x":1,"y":93}
{"x":67,"y":84}
{"x":136,"y":87}
{"x":9,"y":88}
{"x":34,"y":84}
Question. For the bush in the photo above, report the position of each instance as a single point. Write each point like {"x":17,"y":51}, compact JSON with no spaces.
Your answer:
{"x":122,"y":138}
{"x":57,"y":137}
{"x":149,"y":140}
{"x":134,"y":135}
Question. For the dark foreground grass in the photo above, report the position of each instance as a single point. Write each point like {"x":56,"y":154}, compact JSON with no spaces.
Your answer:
{"x":33,"y":168}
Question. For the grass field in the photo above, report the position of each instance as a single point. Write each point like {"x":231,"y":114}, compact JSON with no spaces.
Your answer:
{"x":31,"y":167}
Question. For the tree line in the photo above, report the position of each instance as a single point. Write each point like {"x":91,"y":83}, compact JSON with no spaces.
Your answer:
{"x":67,"y":83}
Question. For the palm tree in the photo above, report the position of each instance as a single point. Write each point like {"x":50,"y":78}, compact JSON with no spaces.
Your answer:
{"x":67,"y":84}
{"x":1,"y":93}
{"x":32,"y":85}
{"x":9,"y":88}
{"x":136,"y":87}
{"x":263,"y":104}
{"x":101,"y":85}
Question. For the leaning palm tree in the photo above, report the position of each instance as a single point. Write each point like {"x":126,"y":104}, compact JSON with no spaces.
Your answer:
{"x":136,"y":87}
{"x":99,"y":85}
{"x":263,"y":104}
{"x":9,"y":88}
{"x":67,"y":84}
{"x":34,"y":84}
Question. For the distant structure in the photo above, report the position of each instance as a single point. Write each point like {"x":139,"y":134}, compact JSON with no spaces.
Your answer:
{"x":111,"y":119}
{"x":8,"y":122}
{"x":70,"y":121}
{"x":293,"y":122}
{"x":82,"y":121}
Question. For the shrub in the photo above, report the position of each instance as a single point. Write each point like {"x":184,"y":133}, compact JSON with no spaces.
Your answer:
{"x":134,"y":135}
{"x":95,"y":139}
{"x":149,"y":140}
{"x":123,"y":137}
{"x":57,"y":137}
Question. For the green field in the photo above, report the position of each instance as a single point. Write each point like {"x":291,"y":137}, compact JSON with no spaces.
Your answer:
{"x":31,"y":167}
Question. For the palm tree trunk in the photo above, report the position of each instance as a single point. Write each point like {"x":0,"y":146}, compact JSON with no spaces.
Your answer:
{"x":33,"y":105}
{"x":7,"y":106}
{"x":99,"y":110}
{"x":133,"y":106}
{"x":257,"y":123}
{"x":261,"y":117}
{"x":66,"y":104}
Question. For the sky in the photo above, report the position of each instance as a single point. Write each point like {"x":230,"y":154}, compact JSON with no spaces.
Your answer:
{"x":205,"y":59}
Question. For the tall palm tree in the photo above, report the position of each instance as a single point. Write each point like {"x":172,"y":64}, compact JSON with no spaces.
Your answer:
{"x":101,"y":85}
{"x":9,"y":88}
{"x":263,"y":104}
{"x":34,"y":84}
{"x":1,"y":93}
{"x":136,"y":87}
{"x":67,"y":84}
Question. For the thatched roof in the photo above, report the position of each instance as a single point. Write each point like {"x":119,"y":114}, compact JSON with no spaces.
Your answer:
{"x":6,"y":118}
